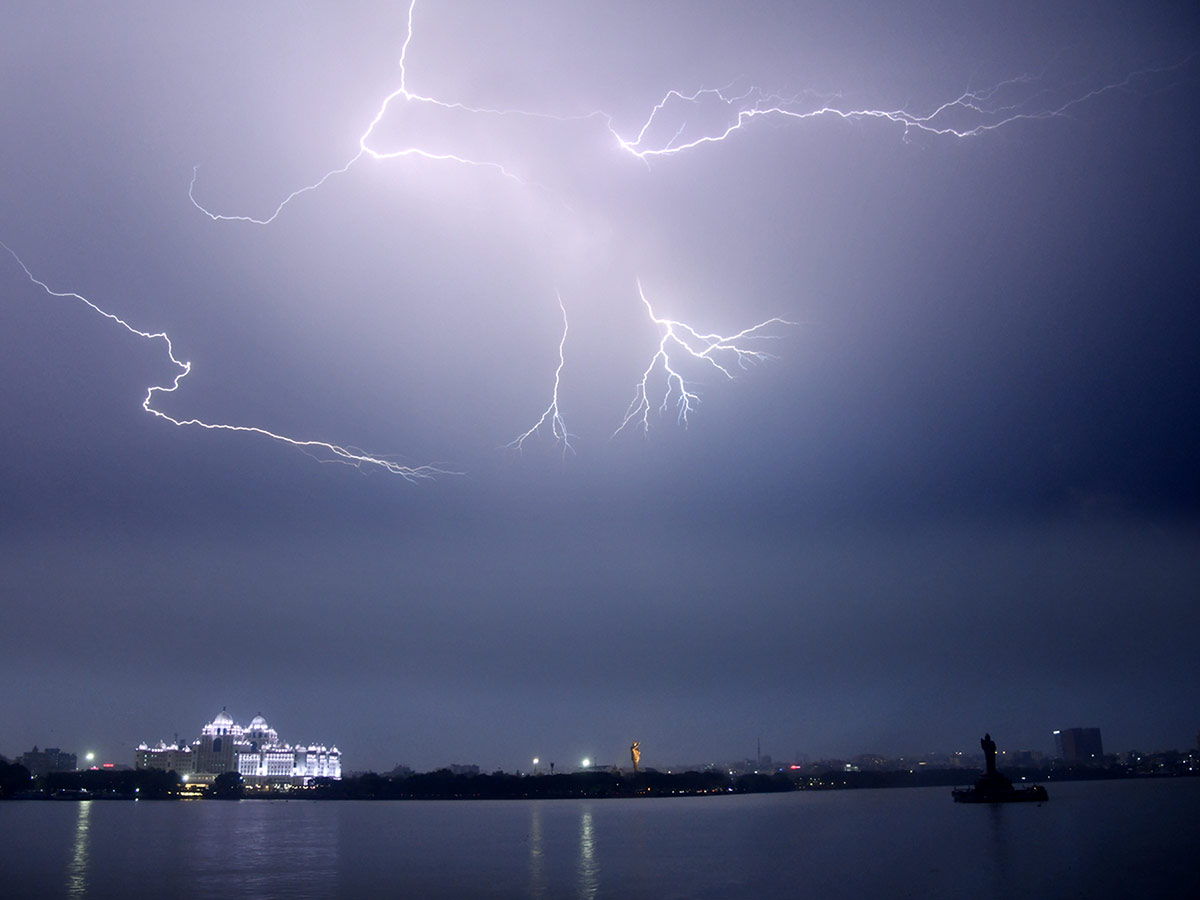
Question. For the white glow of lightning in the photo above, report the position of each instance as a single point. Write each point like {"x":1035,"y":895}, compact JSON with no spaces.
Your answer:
{"x":551,"y":419}
{"x":720,"y":352}
{"x":336,"y":453}
{"x":366,"y":150}
{"x":971,"y":114}
{"x":982,"y":106}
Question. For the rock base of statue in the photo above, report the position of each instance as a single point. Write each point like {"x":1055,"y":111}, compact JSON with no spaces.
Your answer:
{"x":995,"y":788}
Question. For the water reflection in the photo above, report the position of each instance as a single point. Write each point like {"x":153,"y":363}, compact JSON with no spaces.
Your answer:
{"x":589,"y":883}
{"x":1002,"y":850}
{"x":537,"y":854}
{"x":268,"y":852}
{"x":77,"y":869}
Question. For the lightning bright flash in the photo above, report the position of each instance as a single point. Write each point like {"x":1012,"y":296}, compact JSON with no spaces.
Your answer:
{"x":551,"y":419}
{"x":718,"y":114}
{"x":970,"y":114}
{"x":977,"y":112}
{"x":323,"y":451}
{"x":365,"y":149}
{"x":720,"y":352}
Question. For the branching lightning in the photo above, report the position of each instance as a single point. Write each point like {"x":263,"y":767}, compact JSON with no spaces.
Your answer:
{"x":719,"y":352}
{"x":665,"y":132}
{"x":366,"y":150}
{"x":979,"y":112}
{"x":551,"y":419}
{"x":323,"y":451}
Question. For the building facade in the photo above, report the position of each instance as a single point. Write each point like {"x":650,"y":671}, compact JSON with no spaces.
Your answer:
{"x":165,"y":757}
{"x":254,"y":751}
{"x":1078,"y":745}
{"x":42,"y":762}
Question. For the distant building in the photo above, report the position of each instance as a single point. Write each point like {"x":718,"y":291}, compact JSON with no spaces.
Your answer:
{"x":867,"y":762}
{"x":1078,"y":745}
{"x":176,"y":757}
{"x":41,"y":762}
{"x":1024,"y":758}
{"x":253,"y":751}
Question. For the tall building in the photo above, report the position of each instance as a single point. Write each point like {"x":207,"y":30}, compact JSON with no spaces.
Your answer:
{"x":253,"y":751}
{"x":39,"y":762}
{"x":1078,"y":745}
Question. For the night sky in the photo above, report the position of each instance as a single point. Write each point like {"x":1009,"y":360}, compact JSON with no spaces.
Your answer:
{"x":963,"y":496}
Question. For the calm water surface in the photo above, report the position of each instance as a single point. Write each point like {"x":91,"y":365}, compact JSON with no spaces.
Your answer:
{"x":1092,"y":840}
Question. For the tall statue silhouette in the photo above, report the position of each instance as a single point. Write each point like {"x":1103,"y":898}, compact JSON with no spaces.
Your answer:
{"x":635,"y":753}
{"x":993,"y":787}
{"x":989,"y":752}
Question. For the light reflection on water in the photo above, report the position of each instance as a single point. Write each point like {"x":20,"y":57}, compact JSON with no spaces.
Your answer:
{"x":537,"y":862}
{"x":1000,"y":845}
{"x":838,"y":844}
{"x":77,"y":868}
{"x":267,"y":849}
{"x":589,"y":876}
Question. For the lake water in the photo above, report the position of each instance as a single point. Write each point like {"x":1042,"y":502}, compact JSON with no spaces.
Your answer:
{"x":1092,"y":840}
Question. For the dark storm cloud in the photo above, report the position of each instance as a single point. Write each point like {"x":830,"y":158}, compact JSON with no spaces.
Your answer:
{"x":964,"y":496}
{"x":540,"y":639}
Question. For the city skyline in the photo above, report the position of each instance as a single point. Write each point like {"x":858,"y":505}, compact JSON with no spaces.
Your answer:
{"x":1072,"y":744}
{"x":946,"y":255}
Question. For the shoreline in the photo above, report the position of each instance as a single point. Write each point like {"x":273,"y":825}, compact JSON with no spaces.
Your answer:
{"x":135,"y":785}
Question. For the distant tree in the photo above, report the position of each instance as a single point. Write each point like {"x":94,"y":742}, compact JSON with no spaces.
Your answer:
{"x":14,"y":777}
{"x":372,"y":786}
{"x":331,"y":788}
{"x":227,"y":786}
{"x":156,"y":785}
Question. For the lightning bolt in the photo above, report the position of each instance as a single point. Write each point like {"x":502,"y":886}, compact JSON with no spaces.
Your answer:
{"x":334,"y":452}
{"x":719,"y":352}
{"x":551,"y":419}
{"x":666,"y":132}
{"x":365,"y":150}
{"x":981,"y":111}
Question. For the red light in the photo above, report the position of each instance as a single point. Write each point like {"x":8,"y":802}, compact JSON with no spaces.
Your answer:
{"x":108,"y":765}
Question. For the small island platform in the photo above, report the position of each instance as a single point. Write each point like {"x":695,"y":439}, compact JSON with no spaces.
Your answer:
{"x":992,"y":787}
{"x":995,"y":788}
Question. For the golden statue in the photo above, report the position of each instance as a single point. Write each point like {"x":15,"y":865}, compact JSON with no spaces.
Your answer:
{"x":636,"y":753}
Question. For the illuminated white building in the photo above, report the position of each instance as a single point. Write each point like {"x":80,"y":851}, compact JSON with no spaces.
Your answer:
{"x":255,"y":752}
{"x":165,"y":757}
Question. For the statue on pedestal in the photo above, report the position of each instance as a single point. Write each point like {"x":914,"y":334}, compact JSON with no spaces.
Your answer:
{"x":993,"y":787}
{"x":989,"y":752}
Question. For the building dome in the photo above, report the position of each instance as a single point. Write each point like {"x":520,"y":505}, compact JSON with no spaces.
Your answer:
{"x":223,"y":718}
{"x":258,"y":723}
